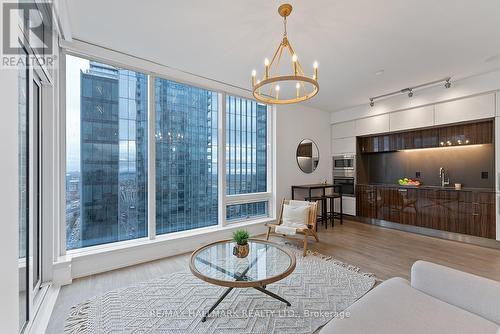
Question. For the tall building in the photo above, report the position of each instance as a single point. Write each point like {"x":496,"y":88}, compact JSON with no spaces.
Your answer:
{"x":113,"y":139}
{"x":186,"y":157}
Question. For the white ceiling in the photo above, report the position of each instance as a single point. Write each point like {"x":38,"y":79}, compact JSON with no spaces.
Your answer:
{"x":413,"y":41}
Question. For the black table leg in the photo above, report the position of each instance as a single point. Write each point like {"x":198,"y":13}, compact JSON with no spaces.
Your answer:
{"x":217,"y":303}
{"x":293,"y":192}
{"x":275,"y":296}
{"x":341,"y":211}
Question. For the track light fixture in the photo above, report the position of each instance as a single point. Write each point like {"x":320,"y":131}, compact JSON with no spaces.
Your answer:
{"x":409,"y":90}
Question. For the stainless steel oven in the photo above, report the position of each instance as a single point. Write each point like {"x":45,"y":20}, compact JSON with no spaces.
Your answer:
{"x":347,"y":185}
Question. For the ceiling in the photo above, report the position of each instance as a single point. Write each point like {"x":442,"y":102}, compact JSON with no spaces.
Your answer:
{"x":412,"y":41}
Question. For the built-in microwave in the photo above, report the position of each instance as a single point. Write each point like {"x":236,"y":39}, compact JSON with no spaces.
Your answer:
{"x":343,"y":162}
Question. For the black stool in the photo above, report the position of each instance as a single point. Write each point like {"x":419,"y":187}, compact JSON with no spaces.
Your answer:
{"x":332,"y":214}
{"x":324,"y":211}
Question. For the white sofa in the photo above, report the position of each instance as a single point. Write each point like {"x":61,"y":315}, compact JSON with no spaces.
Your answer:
{"x":438,"y":300}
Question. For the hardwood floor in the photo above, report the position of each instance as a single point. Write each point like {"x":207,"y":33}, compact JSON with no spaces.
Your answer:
{"x":384,"y":252}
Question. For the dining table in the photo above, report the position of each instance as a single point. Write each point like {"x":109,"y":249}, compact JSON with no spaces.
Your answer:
{"x":317,"y":186}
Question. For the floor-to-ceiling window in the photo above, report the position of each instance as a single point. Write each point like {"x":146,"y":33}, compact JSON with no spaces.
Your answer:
{"x":186,"y":157}
{"x":106,"y":153}
{"x":109,"y":110}
{"x":246,"y":156}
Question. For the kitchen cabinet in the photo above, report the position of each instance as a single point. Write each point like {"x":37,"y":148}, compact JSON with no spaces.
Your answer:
{"x":471,"y":108}
{"x":366,"y":200}
{"x":461,"y":134}
{"x":374,"y":124}
{"x":412,"y":118}
{"x":459,"y":211}
{"x":343,"y":145}
{"x":477,"y":212}
{"x":343,"y":130}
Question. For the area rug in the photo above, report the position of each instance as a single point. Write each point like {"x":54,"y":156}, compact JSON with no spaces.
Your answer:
{"x":319,"y":289}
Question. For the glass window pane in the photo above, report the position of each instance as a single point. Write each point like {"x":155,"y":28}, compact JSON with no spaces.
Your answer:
{"x":244,"y":211}
{"x":246,"y":146}
{"x":106,"y":148}
{"x":186,"y":158}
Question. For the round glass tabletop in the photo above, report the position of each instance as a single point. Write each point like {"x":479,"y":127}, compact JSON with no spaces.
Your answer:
{"x":266,"y":263}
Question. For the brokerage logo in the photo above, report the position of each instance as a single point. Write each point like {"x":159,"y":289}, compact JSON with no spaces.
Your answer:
{"x":27,"y":26}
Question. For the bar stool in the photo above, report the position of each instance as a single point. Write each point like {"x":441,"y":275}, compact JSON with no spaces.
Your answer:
{"x":324,"y":210}
{"x":332,"y":214}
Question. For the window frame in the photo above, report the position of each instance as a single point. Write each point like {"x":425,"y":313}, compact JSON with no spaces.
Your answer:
{"x":257,"y":196}
{"x":153,"y":71}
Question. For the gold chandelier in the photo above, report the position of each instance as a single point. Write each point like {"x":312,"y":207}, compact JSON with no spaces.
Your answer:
{"x":295,"y":87}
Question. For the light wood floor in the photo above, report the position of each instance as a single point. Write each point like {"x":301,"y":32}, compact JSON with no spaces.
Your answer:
{"x":384,"y":252}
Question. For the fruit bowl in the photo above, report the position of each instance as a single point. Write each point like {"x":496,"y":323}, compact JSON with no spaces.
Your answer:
{"x":409,"y":182}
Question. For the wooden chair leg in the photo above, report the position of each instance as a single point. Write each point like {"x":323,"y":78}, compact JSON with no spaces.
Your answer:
{"x":268,"y":232}
{"x":315,"y":235}
{"x":305,"y":243}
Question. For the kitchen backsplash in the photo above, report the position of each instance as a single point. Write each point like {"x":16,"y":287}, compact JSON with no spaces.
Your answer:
{"x":465,"y":164}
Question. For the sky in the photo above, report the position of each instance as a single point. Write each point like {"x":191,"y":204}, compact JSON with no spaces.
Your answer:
{"x":73,"y":67}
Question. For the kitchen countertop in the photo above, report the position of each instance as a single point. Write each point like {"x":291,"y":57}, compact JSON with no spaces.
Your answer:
{"x":429,"y":187}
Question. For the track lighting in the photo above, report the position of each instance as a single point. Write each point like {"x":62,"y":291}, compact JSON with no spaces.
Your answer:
{"x":409,"y":90}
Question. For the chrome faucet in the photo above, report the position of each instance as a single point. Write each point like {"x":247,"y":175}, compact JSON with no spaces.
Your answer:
{"x":443,"y":176}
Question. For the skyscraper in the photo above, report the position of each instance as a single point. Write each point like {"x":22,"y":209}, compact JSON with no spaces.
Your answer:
{"x":186,"y":157}
{"x":113,"y":121}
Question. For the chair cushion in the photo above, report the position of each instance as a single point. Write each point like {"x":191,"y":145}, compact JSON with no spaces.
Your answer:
{"x":294,"y":202}
{"x":395,"y":307}
{"x":295,"y":216}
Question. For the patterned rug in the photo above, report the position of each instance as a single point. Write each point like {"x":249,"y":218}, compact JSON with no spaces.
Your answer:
{"x":319,"y":289}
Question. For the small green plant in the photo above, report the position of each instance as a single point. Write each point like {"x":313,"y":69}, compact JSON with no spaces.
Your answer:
{"x":241,"y":237}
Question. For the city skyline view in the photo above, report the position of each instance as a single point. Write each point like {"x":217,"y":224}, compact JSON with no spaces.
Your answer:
{"x":107,"y":155}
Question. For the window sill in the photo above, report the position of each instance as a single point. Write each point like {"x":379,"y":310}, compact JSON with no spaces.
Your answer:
{"x":97,"y":259}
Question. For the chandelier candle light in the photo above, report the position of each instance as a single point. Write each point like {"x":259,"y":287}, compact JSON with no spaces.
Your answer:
{"x":268,"y":89}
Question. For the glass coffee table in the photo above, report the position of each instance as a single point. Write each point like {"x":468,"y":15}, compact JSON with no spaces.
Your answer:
{"x":266,"y":263}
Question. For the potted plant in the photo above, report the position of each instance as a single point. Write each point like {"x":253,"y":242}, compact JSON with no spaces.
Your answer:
{"x":241,"y":248}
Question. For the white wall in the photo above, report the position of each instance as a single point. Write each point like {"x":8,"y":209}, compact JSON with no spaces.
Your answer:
{"x":294,"y":123}
{"x":9,"y":305}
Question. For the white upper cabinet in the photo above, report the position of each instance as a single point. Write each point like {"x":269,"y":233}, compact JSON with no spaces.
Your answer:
{"x":343,"y":145}
{"x":472,"y":108}
{"x":413,"y":118}
{"x":344,"y":129}
{"x":372,"y":125}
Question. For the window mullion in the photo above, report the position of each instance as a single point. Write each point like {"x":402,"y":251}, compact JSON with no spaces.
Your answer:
{"x":151,"y":158}
{"x":221,"y":158}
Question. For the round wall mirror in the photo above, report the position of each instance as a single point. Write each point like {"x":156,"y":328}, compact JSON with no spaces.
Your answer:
{"x":307,"y":156}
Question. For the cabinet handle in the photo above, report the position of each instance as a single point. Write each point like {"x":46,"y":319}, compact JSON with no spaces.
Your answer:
{"x":474,"y":212}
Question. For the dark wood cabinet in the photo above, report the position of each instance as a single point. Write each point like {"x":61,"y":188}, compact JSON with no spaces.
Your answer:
{"x":367,"y":197}
{"x":462,"y":134}
{"x":477,"y":214}
{"x":466,"y":212}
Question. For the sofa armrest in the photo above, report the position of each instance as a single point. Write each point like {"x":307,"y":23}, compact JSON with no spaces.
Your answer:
{"x":473,"y":293}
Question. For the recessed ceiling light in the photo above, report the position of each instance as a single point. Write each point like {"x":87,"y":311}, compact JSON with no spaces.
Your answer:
{"x":492,"y":59}
{"x":379,"y":72}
